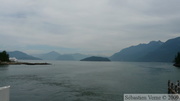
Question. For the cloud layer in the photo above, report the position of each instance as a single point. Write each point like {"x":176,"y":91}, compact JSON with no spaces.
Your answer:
{"x":86,"y":26}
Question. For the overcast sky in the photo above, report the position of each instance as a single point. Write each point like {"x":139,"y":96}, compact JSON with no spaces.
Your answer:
{"x":98,"y":27}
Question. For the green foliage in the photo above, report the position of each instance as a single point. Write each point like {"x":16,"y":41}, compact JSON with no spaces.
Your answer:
{"x":4,"y":57}
{"x":177,"y":58}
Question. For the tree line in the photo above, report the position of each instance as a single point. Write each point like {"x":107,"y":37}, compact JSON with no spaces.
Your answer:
{"x":4,"y":57}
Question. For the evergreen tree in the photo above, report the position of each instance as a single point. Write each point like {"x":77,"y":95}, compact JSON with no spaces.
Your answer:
{"x":4,"y":57}
{"x":177,"y":58}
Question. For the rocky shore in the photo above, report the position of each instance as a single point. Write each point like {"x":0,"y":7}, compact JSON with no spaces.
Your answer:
{"x":22,"y":63}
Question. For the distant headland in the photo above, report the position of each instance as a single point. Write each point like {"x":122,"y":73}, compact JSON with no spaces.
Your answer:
{"x":5,"y":60}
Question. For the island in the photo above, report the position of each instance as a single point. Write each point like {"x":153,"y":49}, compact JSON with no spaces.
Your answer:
{"x":96,"y":58}
{"x":177,"y":60}
{"x":5,"y":60}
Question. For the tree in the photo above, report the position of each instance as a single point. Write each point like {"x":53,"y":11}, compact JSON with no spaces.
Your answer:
{"x":177,"y":58}
{"x":4,"y":57}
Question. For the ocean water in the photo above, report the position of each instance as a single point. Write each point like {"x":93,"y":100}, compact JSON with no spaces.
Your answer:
{"x":86,"y":81}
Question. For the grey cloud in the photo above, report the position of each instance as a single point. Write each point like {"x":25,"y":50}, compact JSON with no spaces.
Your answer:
{"x":89,"y":25}
{"x":164,"y":8}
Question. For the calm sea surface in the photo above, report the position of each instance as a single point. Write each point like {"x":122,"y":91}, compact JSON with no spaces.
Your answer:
{"x":86,"y":81}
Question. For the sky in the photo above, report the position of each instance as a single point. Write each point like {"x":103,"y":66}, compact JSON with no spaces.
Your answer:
{"x":97,"y":27}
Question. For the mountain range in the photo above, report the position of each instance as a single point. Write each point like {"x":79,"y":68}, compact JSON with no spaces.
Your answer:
{"x":154,"y":51}
{"x":47,"y":56}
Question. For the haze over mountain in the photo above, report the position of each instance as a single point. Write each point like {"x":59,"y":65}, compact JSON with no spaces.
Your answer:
{"x":49,"y":56}
{"x":155,"y":51}
{"x":66,"y":57}
{"x":56,"y":56}
{"x":78,"y":56}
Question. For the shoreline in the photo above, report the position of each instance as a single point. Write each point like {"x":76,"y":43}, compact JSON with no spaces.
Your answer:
{"x":176,"y":65}
{"x":23,"y":63}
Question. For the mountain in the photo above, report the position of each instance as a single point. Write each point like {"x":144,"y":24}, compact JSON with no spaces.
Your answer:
{"x":165,"y":53}
{"x":95,"y":58}
{"x":155,"y":51}
{"x":135,"y":53}
{"x":22,"y":56}
{"x":49,"y":56}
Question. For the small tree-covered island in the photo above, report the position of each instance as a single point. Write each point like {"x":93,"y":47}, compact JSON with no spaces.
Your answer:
{"x":177,"y":60}
{"x":4,"y":60}
{"x":95,"y":58}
